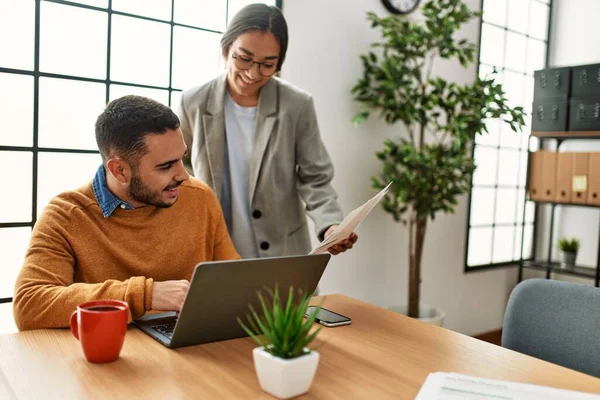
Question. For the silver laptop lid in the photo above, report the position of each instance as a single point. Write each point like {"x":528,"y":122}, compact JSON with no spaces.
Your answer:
{"x":221,"y":291}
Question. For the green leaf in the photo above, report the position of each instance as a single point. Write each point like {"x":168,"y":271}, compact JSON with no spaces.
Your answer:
{"x":281,"y":323}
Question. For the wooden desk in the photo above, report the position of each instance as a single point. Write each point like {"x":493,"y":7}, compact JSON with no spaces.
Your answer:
{"x":382,"y":355}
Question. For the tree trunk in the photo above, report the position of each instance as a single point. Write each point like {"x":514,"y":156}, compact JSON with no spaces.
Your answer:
{"x":417,"y":227}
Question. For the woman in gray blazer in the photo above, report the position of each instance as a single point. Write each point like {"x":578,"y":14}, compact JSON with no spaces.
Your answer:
{"x":254,"y":139}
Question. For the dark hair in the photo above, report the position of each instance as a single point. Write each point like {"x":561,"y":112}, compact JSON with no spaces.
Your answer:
{"x":122,"y":126}
{"x":259,"y":17}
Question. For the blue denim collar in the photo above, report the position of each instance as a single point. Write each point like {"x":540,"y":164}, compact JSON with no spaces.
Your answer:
{"x":107,"y":201}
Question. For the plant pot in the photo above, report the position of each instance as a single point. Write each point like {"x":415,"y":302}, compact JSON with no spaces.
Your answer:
{"x":433,"y":316}
{"x":568,"y":260}
{"x":285,"y":378}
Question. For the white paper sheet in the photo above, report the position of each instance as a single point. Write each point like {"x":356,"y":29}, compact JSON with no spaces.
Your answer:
{"x":452,"y":386}
{"x":350,"y":223}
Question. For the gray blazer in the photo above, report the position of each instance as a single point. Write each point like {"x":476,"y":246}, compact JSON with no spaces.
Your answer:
{"x":290,"y":171}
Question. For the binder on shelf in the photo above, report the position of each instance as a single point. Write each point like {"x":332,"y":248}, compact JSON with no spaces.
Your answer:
{"x":594,"y":179}
{"x":579,"y":180}
{"x":549,"y":175}
{"x":564,"y":172}
{"x":535,"y":175}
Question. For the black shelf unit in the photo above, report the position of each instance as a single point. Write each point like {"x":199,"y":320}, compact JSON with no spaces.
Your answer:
{"x":555,"y":267}
{"x":549,"y":265}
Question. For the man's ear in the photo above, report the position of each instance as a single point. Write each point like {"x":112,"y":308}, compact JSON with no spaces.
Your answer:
{"x":119,"y":169}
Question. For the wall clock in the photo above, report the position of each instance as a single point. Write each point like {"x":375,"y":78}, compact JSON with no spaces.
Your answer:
{"x":401,"y":6}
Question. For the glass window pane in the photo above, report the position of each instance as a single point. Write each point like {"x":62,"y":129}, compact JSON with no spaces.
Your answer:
{"x":16,"y":178}
{"x":526,"y":130}
{"x":73,"y":40}
{"x":237,"y":5}
{"x":492,"y":45}
{"x":528,"y":97}
{"x":523,"y":168}
{"x":529,"y":212}
{"x":175,"y":99}
{"x":538,"y":21}
{"x":508,"y":137}
{"x":140,"y":51}
{"x":494,"y":11}
{"x":7,"y":319}
{"x":508,"y":167}
{"x":514,"y":86}
{"x":520,"y":204}
{"x":17,"y":30}
{"x":506,"y":206}
{"x":52,"y":179}
{"x":518,"y":15}
{"x":486,"y":71}
{"x":493,"y":136}
{"x":482,"y":206}
{"x":480,"y":246}
{"x":517,"y":28}
{"x":192,"y":68}
{"x":206,"y":14}
{"x":486,"y":160}
{"x":529,"y":208}
{"x":536,"y":55}
{"x":68,"y":112}
{"x":504,"y":241}
{"x":498,"y":76}
{"x":517,"y":247}
{"x":159,"y":95}
{"x":13,"y":246}
{"x":16,"y":104}
{"x":159,"y":9}
{"x":528,"y":242}
{"x":96,"y":3}
{"x":516,"y":45}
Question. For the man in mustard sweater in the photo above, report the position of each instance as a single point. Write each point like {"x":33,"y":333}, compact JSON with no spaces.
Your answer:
{"x":135,"y":233}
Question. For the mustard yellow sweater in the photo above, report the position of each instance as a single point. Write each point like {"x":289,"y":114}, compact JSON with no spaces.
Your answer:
{"x":77,"y":255}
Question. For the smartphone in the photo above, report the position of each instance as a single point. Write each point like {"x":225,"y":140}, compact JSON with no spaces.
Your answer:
{"x":328,"y":317}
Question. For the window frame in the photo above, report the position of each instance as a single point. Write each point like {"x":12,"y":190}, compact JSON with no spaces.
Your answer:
{"x":35,"y":149}
{"x":513,"y":263}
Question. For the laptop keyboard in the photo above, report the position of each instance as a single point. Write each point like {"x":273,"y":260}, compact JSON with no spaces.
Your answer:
{"x":166,"y":329}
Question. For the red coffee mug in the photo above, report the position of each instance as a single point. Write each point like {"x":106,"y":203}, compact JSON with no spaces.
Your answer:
{"x":100,"y":326}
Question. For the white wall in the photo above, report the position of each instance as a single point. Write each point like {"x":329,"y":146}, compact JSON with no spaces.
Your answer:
{"x":326,"y":38}
{"x":572,"y":22}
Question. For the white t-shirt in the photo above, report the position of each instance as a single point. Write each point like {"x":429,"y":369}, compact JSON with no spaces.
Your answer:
{"x":239,"y":132}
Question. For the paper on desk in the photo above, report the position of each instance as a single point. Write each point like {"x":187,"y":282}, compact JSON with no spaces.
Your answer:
{"x":350,"y":223}
{"x":451,"y":386}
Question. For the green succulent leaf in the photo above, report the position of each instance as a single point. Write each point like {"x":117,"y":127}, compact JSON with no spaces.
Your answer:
{"x":281,"y":328}
{"x":568,"y":245}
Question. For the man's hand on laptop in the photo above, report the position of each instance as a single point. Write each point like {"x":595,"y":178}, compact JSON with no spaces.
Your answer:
{"x":169,"y":295}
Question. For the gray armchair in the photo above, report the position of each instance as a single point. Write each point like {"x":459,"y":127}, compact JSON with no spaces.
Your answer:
{"x":555,"y":321}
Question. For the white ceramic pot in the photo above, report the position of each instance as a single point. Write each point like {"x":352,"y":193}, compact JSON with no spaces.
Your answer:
{"x":285,"y":378}
{"x":433,"y":316}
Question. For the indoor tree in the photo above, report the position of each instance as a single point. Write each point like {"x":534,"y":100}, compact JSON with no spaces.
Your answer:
{"x":430,"y":162}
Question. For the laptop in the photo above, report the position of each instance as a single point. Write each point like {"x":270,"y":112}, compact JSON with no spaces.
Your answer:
{"x":221,"y":291}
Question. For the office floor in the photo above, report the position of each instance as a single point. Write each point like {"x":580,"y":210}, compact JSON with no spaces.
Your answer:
{"x":494,"y":337}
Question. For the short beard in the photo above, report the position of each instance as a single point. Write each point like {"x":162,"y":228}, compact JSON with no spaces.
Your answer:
{"x":141,"y":193}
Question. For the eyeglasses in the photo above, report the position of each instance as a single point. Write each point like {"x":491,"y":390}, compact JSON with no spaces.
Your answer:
{"x":265,"y":68}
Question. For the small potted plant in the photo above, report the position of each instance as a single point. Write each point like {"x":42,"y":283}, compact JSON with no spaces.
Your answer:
{"x":569,"y":249}
{"x":284,"y":364}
